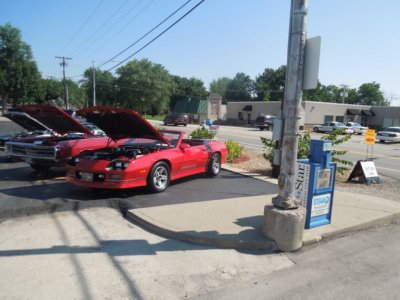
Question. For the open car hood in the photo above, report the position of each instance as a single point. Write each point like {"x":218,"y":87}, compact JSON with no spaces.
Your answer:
{"x":26,"y":121}
{"x":54,"y":118}
{"x":120,"y":123}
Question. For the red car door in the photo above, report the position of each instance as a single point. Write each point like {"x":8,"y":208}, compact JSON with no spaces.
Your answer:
{"x":194,"y":159}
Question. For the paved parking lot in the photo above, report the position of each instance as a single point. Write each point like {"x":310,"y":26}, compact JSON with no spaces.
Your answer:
{"x":24,"y":191}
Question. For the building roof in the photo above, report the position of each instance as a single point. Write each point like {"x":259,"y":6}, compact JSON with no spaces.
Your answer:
{"x":191,"y":106}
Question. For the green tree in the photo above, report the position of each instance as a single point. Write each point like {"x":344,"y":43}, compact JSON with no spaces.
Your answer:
{"x":106,"y":86}
{"x":77,"y":95}
{"x":370,"y":94}
{"x":19,"y":75}
{"x":220,"y":86}
{"x":144,"y":86}
{"x":270,"y":84}
{"x":187,"y":88}
{"x":51,"y":89}
{"x":240,"y":88}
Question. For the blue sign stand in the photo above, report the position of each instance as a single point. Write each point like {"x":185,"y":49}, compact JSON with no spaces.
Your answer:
{"x":320,"y":173}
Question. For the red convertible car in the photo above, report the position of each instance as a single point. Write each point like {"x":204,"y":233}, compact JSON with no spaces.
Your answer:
{"x":148,"y":157}
{"x":58,"y":137}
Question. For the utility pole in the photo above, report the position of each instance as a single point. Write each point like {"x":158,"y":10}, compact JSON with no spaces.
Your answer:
{"x":291,"y":106}
{"x":344,"y":94}
{"x":64,"y":64}
{"x":94,"y":85}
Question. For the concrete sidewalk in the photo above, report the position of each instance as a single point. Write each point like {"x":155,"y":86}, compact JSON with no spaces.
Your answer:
{"x":237,"y":222}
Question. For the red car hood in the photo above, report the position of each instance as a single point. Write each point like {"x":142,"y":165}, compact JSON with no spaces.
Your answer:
{"x":54,"y":118}
{"x":26,"y":121}
{"x":120,"y":123}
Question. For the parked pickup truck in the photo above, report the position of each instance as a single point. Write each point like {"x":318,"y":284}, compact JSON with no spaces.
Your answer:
{"x":264,"y":122}
{"x":331,"y":126}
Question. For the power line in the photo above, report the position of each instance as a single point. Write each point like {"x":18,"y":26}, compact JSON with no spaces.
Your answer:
{"x":88,"y":41}
{"x":145,"y":35}
{"x":168,"y":28}
{"x":124,"y":27}
{"x":83,"y":25}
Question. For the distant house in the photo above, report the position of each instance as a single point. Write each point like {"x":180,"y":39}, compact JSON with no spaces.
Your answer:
{"x":195,"y":108}
{"x":200,"y":110}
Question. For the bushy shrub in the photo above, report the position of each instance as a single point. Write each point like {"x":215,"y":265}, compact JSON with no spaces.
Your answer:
{"x":202,"y":133}
{"x":304,"y":144}
{"x":235,"y":150}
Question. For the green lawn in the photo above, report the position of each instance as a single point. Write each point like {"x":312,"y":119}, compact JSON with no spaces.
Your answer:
{"x":156,"y":117}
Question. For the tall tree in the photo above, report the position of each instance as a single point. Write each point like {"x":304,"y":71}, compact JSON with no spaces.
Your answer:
{"x":187,"y":88}
{"x":144,"y":86}
{"x":370,"y":94}
{"x":19,"y":75}
{"x":270,"y":84}
{"x":240,"y":88}
{"x":106,"y":86}
{"x":220,"y":86}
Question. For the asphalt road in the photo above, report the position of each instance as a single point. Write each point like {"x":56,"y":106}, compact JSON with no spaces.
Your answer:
{"x":24,"y":191}
{"x":94,"y":254}
{"x":385,"y":156}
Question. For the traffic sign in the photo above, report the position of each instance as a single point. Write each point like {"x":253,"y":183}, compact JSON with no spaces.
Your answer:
{"x":370,"y":137}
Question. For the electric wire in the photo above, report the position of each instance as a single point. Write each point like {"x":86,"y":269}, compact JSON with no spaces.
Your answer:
{"x":82,"y":26}
{"x":164,"y":31}
{"x":146,"y":34}
{"x":122,"y":28}
{"x":89,"y":40}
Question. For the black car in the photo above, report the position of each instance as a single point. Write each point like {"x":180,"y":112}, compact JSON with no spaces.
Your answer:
{"x":176,"y":119}
{"x":264,"y":122}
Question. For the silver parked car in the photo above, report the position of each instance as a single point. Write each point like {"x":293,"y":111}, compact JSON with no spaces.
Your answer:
{"x":331,"y":126}
{"x":358,"y":129}
{"x":389,"y":134}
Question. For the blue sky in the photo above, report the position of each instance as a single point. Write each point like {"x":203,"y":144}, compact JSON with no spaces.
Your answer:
{"x":360,"y":38}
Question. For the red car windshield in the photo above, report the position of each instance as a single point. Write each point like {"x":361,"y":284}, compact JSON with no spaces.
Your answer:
{"x":171,"y":136}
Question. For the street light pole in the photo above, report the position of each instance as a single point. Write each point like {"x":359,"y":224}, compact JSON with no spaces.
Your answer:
{"x":291,"y":106}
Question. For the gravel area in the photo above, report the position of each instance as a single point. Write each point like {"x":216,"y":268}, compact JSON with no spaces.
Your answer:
{"x":254,"y":162}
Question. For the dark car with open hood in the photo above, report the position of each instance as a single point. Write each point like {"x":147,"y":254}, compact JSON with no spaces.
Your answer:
{"x":56,"y":136}
{"x":142,"y":155}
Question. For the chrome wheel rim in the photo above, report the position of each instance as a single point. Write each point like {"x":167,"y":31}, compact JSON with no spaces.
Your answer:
{"x":160,"y":177}
{"x":216,"y":164}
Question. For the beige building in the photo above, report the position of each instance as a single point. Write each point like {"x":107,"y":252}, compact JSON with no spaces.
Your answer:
{"x":312,"y":113}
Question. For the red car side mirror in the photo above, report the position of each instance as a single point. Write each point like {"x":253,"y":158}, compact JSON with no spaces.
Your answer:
{"x":184,"y":146}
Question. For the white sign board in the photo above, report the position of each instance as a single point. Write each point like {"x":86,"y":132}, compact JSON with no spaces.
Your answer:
{"x":311,"y":63}
{"x":369,"y":169}
{"x":320,"y":205}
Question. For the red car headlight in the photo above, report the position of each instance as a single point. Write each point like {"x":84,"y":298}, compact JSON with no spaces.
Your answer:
{"x":119,"y":164}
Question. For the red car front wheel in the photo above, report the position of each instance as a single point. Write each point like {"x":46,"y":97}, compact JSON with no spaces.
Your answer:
{"x":159,"y":177}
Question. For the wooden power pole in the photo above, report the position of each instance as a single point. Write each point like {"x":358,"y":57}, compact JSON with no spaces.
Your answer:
{"x":64,"y":64}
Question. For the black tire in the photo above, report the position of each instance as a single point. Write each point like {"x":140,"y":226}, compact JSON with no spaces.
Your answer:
{"x":360,"y":133}
{"x":261,"y":128}
{"x":315,"y":129}
{"x":214,"y":166}
{"x":381,"y":141}
{"x":159,"y":177}
{"x":38,"y":167}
